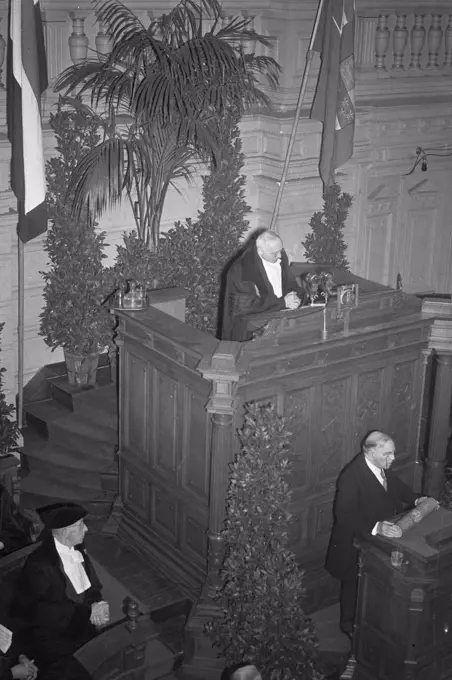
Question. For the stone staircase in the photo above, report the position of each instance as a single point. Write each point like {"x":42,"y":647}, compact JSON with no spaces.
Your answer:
{"x":70,"y":441}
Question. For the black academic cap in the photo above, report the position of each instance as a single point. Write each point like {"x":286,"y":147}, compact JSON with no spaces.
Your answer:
{"x":61,"y":515}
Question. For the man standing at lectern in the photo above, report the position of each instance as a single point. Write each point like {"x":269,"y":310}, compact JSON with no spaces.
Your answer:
{"x":368,"y":495}
{"x":259,"y":280}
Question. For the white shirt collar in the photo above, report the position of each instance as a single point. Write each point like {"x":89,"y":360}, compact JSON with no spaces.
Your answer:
{"x":376,"y":470}
{"x":61,"y":548}
{"x":275,"y":265}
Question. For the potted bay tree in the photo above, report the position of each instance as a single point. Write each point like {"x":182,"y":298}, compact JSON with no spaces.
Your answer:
{"x":74,"y":317}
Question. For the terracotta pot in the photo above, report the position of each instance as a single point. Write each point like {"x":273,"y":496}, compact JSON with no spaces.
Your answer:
{"x":81,"y":370}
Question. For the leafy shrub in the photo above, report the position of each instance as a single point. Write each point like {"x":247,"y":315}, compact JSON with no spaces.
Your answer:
{"x":326,"y":244}
{"x":9,"y":432}
{"x":262,"y":593}
{"x":75,"y":285}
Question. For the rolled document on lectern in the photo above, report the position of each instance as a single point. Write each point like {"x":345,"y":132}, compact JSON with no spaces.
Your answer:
{"x":423,"y":509}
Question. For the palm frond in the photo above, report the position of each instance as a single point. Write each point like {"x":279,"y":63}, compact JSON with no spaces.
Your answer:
{"x":162,"y":91}
{"x":101,"y":176}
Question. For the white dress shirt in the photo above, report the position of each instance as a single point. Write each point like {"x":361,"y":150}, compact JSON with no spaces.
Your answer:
{"x":73,"y":567}
{"x":377,"y":472}
{"x":274,"y":274}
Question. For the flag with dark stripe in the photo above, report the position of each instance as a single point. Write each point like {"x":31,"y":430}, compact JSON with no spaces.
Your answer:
{"x":26,"y":81}
{"x":334,"y":100}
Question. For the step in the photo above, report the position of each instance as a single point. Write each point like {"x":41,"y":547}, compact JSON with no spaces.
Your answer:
{"x":39,"y":485}
{"x":101,"y":398}
{"x":40,"y":413}
{"x":96,"y":508}
{"x":79,"y":479}
{"x":65,"y":454}
{"x":83,"y":429}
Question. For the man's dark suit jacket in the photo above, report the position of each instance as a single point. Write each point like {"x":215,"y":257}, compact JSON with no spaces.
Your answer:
{"x":49,"y":618}
{"x":15,"y":529}
{"x":361,"y":501}
{"x":246,"y":269}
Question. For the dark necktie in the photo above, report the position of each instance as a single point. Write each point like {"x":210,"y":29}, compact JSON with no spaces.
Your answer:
{"x":384,"y":480}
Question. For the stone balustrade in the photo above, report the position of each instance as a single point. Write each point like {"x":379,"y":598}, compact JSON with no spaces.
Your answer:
{"x":404,"y":39}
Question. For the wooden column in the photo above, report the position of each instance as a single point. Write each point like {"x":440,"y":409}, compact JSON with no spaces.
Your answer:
{"x":439,"y":426}
{"x":224,"y":370}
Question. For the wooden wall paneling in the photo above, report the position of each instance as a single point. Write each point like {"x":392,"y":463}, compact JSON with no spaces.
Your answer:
{"x":299,"y":409}
{"x":165,"y":452}
{"x":195,"y":461}
{"x":136,"y":405}
{"x":166,"y":428}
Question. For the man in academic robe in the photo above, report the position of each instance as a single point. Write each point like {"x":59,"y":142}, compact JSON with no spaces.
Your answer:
{"x":58,"y":604}
{"x":259,"y":280}
{"x":368,"y":496}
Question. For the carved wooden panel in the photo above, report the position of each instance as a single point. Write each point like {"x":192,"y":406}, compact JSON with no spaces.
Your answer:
{"x":331,"y":445}
{"x":194,"y":536}
{"x":402,"y":402}
{"x":135,"y":493}
{"x":164,"y":512}
{"x":367,"y":415}
{"x":165,"y":425}
{"x":136,"y":398}
{"x":298,"y":409}
{"x":420,"y":249}
{"x":165,"y":452}
{"x":195,"y":461}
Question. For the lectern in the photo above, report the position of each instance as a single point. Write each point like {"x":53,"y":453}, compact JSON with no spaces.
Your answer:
{"x":404,"y":615}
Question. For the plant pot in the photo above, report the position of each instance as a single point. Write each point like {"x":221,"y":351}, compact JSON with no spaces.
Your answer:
{"x":81,"y":370}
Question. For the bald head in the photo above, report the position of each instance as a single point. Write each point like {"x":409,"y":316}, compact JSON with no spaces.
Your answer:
{"x":246,"y":673}
{"x":379,"y":449}
{"x":269,"y":246}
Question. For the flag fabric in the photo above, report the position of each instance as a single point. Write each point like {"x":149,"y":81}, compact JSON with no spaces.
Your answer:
{"x":334,"y":100}
{"x":26,"y":81}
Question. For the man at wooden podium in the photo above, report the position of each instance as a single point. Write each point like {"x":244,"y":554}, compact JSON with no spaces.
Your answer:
{"x":259,"y":280}
{"x":368,"y":495}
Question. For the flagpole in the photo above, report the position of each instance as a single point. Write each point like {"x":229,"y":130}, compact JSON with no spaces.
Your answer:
{"x":304,"y":82}
{"x":20,"y":332}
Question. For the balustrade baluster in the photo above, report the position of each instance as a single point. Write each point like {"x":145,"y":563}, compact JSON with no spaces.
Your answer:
{"x":381,"y":41}
{"x":78,"y":41}
{"x":104,"y":43}
{"x":448,"y":43}
{"x":399,"y":41}
{"x":435,"y":34}
{"x":417,"y":39}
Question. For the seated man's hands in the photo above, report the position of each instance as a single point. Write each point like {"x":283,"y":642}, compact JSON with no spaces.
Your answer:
{"x":292,"y":301}
{"x":25,"y":669}
{"x":100,"y":613}
{"x":421,"y":499}
{"x":389,"y":530}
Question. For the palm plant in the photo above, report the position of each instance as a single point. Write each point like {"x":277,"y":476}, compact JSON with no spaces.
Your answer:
{"x":162,"y":89}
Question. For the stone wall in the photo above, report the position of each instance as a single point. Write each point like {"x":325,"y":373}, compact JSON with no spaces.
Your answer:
{"x":399,"y":222}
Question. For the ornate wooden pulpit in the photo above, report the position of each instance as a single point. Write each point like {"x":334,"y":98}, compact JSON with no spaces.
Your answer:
{"x":181,"y":403}
{"x":404,"y":615}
